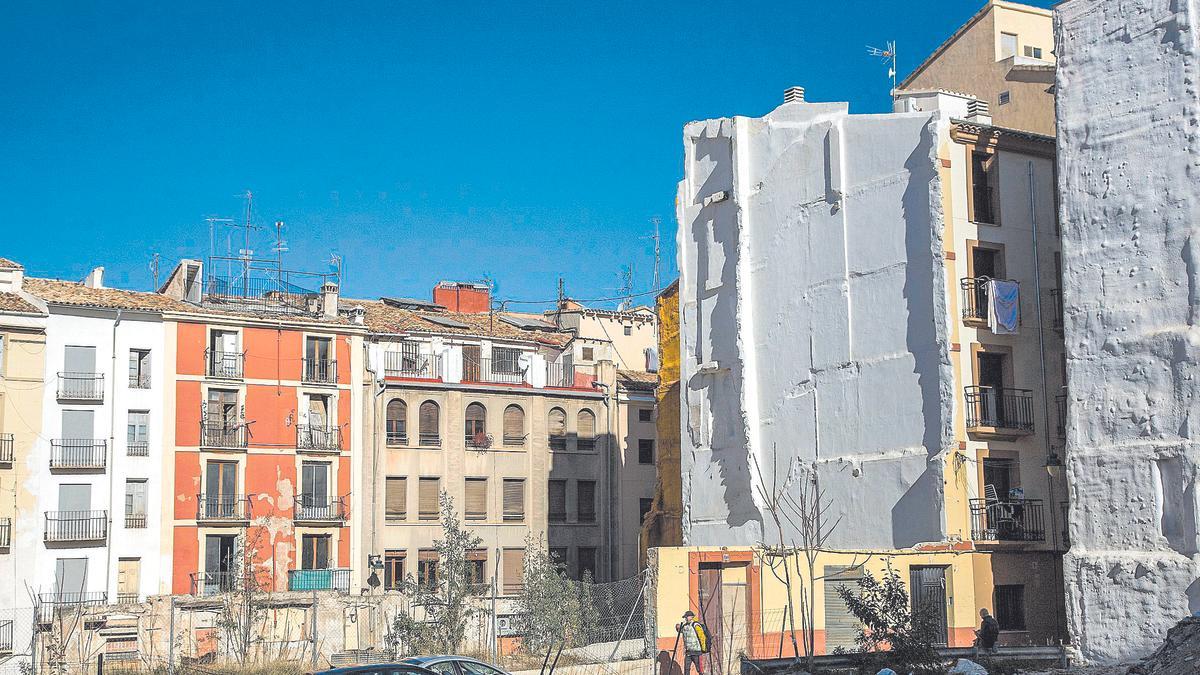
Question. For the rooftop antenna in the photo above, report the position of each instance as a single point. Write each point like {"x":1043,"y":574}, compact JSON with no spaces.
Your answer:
{"x":888,"y":56}
{"x":336,"y":261}
{"x":280,"y":246}
{"x":559,"y":305}
{"x":626,"y":287}
{"x":154,"y":269}
{"x":657,"y":250}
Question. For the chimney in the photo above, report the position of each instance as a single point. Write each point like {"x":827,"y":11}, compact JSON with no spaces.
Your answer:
{"x":329,"y":300}
{"x":978,"y":112}
{"x":793,"y":95}
{"x":358,"y":315}
{"x":95,"y":278}
{"x":11,"y":276}
{"x":457,"y":296}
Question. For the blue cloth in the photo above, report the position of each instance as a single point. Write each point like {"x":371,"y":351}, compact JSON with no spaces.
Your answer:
{"x":1004,"y":315}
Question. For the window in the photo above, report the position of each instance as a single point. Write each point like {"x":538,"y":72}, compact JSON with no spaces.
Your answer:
{"x":628,"y":329}
{"x":557,"y":429}
{"x":514,"y":499}
{"x":393,"y":569}
{"x":477,"y":567}
{"x":587,"y":353}
{"x":587,"y":562}
{"x":586,"y":434}
{"x":397,"y":420}
{"x":315,"y":501}
{"x":128,"y":580}
{"x":395,"y":492}
{"x":135,"y":503}
{"x":506,"y":360}
{"x":472,"y":668}
{"x":427,"y":568}
{"x":476,"y":499}
{"x":224,"y":359}
{"x":1005,"y":97}
{"x":1010,"y":607}
{"x":137,"y":439}
{"x":429,"y":424}
{"x":512,"y":560}
{"x":476,"y":426}
{"x":428,"y":490}
{"x":585,"y":498}
{"x":314,"y":551}
{"x":645,"y":415}
{"x":221,"y":500}
{"x":222,"y":408}
{"x":645,"y":451}
{"x":139,"y":368}
{"x":557,"y":496}
{"x":1008,"y":45}
{"x":1033,"y":52}
{"x":319,"y":365}
{"x":514,"y":425}
{"x":558,"y":555}
{"x":983,"y":188}
{"x":645,"y":504}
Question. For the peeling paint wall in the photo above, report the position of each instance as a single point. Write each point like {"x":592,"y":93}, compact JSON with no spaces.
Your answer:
{"x":813,"y":321}
{"x":1127,"y":117}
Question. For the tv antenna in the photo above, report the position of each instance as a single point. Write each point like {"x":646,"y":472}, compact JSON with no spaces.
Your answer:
{"x":657,"y":250}
{"x":154,"y":268}
{"x":888,"y":56}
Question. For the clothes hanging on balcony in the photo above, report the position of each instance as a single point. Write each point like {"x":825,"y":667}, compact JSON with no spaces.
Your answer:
{"x":1004,"y":313}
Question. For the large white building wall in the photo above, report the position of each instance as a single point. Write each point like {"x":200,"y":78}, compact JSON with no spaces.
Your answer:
{"x":1128,"y":162}
{"x":813,"y":321}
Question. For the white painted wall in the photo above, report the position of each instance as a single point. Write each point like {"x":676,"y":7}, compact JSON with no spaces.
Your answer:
{"x":813,"y":319}
{"x":1127,"y":111}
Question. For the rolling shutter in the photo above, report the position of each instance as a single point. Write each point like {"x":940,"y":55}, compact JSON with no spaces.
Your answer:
{"x":587,"y":424}
{"x":476,"y":500}
{"x":514,"y":499}
{"x":557,"y":429}
{"x":841,"y":627}
{"x":558,"y":501}
{"x":514,"y":425}
{"x":513,"y":562}
{"x":428,"y":425}
{"x":396,"y":497}
{"x":427,"y":499}
{"x":586,"y":500}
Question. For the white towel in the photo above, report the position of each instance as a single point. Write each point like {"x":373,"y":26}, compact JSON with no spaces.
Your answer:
{"x":1004,"y":306}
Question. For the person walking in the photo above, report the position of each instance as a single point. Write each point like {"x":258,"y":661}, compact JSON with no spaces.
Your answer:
{"x":988,"y":633}
{"x":694,"y":638}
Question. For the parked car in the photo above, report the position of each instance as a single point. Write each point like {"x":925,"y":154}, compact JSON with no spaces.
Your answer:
{"x":379,"y":669}
{"x":455,"y":665}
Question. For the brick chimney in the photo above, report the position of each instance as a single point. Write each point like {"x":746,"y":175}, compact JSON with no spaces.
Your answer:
{"x":457,"y":296}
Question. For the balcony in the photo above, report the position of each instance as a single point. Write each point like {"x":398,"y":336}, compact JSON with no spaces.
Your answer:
{"x":431,"y":439}
{"x":81,"y":387}
{"x":478,"y":441}
{"x":234,"y":509}
{"x":62,"y":604}
{"x":1019,"y":520}
{"x":76,"y":526}
{"x":1056,"y":309}
{"x":493,"y":371}
{"x":5,"y":532}
{"x":560,"y":375}
{"x":1060,"y":406}
{"x":999,"y":412}
{"x":418,"y":366}
{"x":223,"y":435}
{"x":1065,"y":510}
{"x":222,"y":365}
{"x":975,"y":301}
{"x":208,"y":584}
{"x":80,"y":454}
{"x":327,"y":510}
{"x":320,"y":371}
{"x":137,"y":449}
{"x":318,"y":438}
{"x":6,"y":638}
{"x":319,"y":580}
{"x":135,"y":521}
{"x":6,"y":448}
{"x":139,"y":380}
{"x":128,"y":598}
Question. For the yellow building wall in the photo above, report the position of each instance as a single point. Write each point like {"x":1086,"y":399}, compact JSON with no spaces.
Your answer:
{"x":21,"y":388}
{"x":663,"y":527}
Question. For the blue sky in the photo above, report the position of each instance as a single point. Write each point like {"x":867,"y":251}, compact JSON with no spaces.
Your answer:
{"x":419,"y":141}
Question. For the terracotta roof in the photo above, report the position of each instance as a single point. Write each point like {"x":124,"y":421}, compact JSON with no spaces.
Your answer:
{"x":11,"y":302}
{"x":636,"y":379}
{"x":382,"y":318}
{"x":7,"y":264}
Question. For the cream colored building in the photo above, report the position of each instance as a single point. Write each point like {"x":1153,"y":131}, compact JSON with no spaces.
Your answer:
{"x":1004,"y":55}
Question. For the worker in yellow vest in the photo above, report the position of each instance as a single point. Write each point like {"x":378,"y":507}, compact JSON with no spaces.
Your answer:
{"x":695,"y":642}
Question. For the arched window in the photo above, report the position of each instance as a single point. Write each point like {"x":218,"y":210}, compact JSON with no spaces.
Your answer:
{"x":428,"y":425}
{"x":587,"y":430}
{"x":397,"y":422}
{"x":514,"y":425}
{"x":557,"y":429}
{"x":476,"y":426}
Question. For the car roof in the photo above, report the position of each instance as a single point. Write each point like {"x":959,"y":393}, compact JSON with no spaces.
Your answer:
{"x":430,"y":660}
{"x":373,"y":667}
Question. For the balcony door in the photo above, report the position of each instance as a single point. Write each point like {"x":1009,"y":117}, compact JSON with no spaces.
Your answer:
{"x":70,"y":578}
{"x":1002,"y":476}
{"x":314,"y":488}
{"x":991,"y":379}
{"x":220,"y":563}
{"x":220,"y":489}
{"x":314,"y":552}
{"x":471,"y":363}
{"x":78,"y":430}
{"x":74,"y":497}
{"x":319,"y":363}
{"x":222,"y":408}
{"x":223,"y":345}
{"x":928,"y":586}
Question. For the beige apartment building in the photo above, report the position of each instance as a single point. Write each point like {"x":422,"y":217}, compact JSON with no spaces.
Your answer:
{"x":1003,"y":55}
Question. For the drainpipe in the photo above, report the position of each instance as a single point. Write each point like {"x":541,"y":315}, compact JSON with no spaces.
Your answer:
{"x":376,"y":397}
{"x":610,"y":480}
{"x":112,"y":454}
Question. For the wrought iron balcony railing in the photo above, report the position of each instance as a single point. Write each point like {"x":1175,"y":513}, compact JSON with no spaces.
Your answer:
{"x":320,"y":371}
{"x":975,"y":300}
{"x":223,"y":365}
{"x":999,"y":408}
{"x":558,"y":443}
{"x":429,"y":439}
{"x":7,"y":444}
{"x":1060,"y":405}
{"x":330,"y":509}
{"x":5,"y":532}
{"x":80,"y":386}
{"x":319,"y":580}
{"x":135,"y":521}
{"x":223,"y":435}
{"x":226,"y":508}
{"x":1008,"y":520}
{"x":78,"y":453}
{"x":68,"y":526}
{"x":419,"y":366}
{"x":585,"y":444}
{"x":397,"y":437}
{"x":496,"y":371}
{"x":64,"y":604}
{"x":6,"y":637}
{"x":139,"y":380}
{"x":318,"y":438}
{"x":137,"y":449}
{"x":128,"y":598}
{"x":1056,"y":308}
{"x":208,"y":584}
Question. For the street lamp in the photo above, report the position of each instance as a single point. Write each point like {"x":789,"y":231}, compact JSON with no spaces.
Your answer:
{"x":1053,"y":464}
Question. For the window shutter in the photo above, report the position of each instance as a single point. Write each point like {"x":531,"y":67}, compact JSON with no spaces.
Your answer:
{"x":397,"y":422}
{"x":513,"y":562}
{"x":514,"y":499}
{"x":396,"y":497}
{"x":476,"y":413}
{"x":557,"y":429}
{"x":427,"y":554}
{"x":586,"y":498}
{"x":427,"y":497}
{"x":514,"y":425}
{"x":476,"y":506}
{"x":558,"y":501}
{"x":587,"y":424}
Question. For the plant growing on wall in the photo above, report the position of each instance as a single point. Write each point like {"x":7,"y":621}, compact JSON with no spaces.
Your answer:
{"x":552,"y":611}
{"x":241,"y":605}
{"x":890,"y":632}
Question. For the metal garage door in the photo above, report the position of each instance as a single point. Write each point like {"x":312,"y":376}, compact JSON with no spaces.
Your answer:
{"x":841,"y":627}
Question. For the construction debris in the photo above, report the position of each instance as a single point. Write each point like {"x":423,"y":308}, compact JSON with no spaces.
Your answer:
{"x":1178,"y":655}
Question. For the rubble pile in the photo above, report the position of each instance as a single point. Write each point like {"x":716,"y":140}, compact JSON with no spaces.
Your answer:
{"x":1178,"y":655}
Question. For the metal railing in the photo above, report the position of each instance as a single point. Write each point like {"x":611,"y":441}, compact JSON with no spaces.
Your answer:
{"x":58,"y":603}
{"x":80,"y":386}
{"x":975,"y":299}
{"x":1009,"y":520}
{"x":6,"y":637}
{"x":1060,"y":406}
{"x":139,"y":380}
{"x":5,"y":532}
{"x":560,"y":375}
{"x":208,"y":584}
{"x":557,"y":443}
{"x":585,"y":444}
{"x":329,"y":509}
{"x":78,"y":453}
{"x":397,"y":437}
{"x":138,"y":449}
{"x":494,"y":371}
{"x":429,"y":439}
{"x":1056,"y":308}
{"x":135,"y":521}
{"x":128,"y":598}
{"x":319,"y":580}
{"x":223,"y":435}
{"x":320,"y":371}
{"x":479,"y":441}
{"x":1065,"y":510}
{"x":222,"y":507}
{"x":223,"y":365}
{"x":318,"y":438}
{"x":259,"y":285}
{"x":421,"y":366}
{"x":999,"y":408}
{"x":76,"y":526}
{"x":6,"y":448}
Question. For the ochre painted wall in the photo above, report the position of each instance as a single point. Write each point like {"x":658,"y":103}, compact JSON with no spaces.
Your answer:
{"x":663,"y":525}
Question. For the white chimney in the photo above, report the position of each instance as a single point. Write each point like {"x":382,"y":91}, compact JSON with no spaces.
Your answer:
{"x":793,"y":95}
{"x":329,"y":300}
{"x":95,"y":278}
{"x":358,"y":315}
{"x":978,"y":112}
